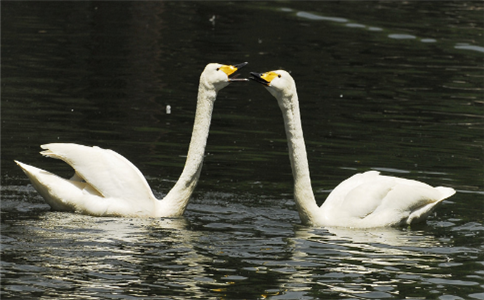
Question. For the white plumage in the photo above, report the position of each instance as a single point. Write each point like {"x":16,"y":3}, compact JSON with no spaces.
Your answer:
{"x":362,"y":201}
{"x":107,"y":184}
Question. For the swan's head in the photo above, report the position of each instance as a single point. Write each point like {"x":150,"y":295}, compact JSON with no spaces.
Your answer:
{"x":278,"y":82}
{"x":218,"y":75}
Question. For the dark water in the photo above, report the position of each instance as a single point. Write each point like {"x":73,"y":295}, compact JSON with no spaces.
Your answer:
{"x":391,"y":86}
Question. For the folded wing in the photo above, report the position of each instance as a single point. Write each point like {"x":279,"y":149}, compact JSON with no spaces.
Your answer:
{"x":370,"y":200}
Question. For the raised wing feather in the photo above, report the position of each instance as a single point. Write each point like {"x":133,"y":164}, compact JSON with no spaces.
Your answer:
{"x":108,"y":172}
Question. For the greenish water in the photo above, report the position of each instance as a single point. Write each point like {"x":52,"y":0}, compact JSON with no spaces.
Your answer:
{"x":390,"y":86}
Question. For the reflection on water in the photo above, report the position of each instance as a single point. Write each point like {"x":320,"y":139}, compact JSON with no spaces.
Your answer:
{"x":315,"y":17}
{"x":394,"y":87}
{"x":228,"y":246}
{"x":397,"y":36}
{"x":361,"y":255}
{"x":98,"y":255}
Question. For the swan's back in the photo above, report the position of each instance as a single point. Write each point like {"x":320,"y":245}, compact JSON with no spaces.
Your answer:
{"x":373,"y":200}
{"x":112,"y":175}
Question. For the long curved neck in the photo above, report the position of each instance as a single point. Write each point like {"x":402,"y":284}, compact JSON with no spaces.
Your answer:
{"x":177,"y":198}
{"x":303,"y":192}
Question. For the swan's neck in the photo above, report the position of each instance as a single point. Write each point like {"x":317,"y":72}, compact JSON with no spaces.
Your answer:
{"x":177,"y":199}
{"x":303,"y":192}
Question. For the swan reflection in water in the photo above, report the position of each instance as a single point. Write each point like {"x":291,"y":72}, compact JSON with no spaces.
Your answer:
{"x":358,"y":261}
{"x":103,"y":254}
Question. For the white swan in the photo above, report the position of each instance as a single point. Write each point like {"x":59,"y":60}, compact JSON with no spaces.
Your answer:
{"x":107,"y":184}
{"x":362,"y":201}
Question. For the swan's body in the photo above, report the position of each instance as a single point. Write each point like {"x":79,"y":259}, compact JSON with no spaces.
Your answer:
{"x":107,"y":184}
{"x":362,"y":201}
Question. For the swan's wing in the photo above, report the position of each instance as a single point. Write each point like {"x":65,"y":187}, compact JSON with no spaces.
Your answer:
{"x":56,"y":191}
{"x":79,"y":196}
{"x":338,"y":199}
{"x":108,"y":172}
{"x":408,"y":202}
{"x":379,"y":200}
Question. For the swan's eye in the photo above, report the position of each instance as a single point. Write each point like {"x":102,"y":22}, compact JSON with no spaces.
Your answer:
{"x":279,"y":75}
{"x":218,"y":69}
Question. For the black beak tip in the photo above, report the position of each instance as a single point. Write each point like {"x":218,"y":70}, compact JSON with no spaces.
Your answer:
{"x":238,"y":67}
{"x":257,"y":77}
{"x":241,"y":65}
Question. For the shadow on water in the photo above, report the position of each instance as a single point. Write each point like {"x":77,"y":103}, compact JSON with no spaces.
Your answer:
{"x":393,"y":87}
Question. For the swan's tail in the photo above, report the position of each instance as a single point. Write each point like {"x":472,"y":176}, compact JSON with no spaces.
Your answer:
{"x":445,"y":192}
{"x":49,"y":186}
{"x":421,"y":213}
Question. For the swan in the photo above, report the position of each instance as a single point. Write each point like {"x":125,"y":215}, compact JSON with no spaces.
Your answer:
{"x":364,"y":200}
{"x":107,"y":184}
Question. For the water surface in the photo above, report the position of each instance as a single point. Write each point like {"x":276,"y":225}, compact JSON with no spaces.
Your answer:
{"x":394,"y":87}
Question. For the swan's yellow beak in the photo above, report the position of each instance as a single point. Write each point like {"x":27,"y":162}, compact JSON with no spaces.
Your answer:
{"x":230,"y":69}
{"x":264,"y":78}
